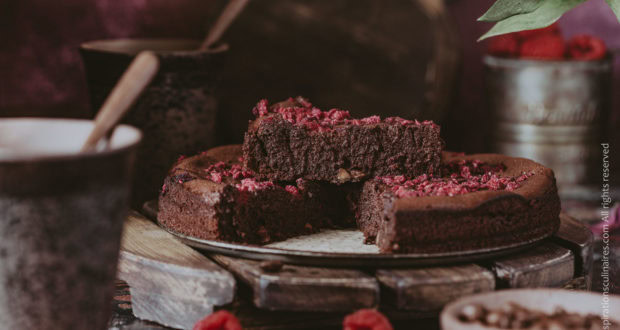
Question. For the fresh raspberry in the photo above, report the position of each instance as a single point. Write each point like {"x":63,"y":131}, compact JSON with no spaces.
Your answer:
{"x":366,"y":319}
{"x":545,"y":47}
{"x":221,"y":320}
{"x":586,"y":47}
{"x":505,"y":45}
{"x":553,"y":29}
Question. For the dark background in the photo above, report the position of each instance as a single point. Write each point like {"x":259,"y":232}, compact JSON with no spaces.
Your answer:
{"x":42,"y":74}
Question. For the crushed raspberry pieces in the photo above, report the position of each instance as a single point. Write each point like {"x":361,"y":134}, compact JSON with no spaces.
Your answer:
{"x":261,"y":108}
{"x":252,"y":184}
{"x":459,"y":178}
{"x":586,"y":47}
{"x":221,"y":320}
{"x":218,"y":171}
{"x":366,"y":319}
{"x":292,"y":190}
{"x":216,"y":177}
{"x":300,"y":112}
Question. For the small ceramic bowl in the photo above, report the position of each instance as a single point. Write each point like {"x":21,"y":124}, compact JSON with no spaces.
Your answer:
{"x":544,"y":300}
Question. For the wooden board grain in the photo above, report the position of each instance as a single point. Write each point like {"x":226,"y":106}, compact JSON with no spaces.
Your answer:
{"x":297,"y":288}
{"x":546,"y":265}
{"x":170,"y":283}
{"x":427,"y":290}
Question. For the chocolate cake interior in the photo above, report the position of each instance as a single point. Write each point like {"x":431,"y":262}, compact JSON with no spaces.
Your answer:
{"x":294,"y":139}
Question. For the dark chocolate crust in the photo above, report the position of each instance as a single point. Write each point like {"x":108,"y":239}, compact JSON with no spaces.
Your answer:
{"x":193,"y":205}
{"x":279,"y":150}
{"x":483,"y":219}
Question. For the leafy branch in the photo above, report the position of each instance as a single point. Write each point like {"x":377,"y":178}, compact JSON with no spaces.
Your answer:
{"x":519,"y":15}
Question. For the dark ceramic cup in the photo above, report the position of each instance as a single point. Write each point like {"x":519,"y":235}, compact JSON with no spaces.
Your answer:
{"x":177,"y":111}
{"x":61,"y":219}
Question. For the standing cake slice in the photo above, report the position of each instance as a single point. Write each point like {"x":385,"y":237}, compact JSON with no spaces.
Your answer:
{"x":293,"y":139}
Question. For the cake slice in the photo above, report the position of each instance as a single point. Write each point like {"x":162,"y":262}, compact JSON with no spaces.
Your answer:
{"x":481,"y":201}
{"x":293,"y":139}
{"x":210,"y":196}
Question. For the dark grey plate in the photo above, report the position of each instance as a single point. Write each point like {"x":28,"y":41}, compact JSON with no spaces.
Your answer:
{"x":337,"y":250}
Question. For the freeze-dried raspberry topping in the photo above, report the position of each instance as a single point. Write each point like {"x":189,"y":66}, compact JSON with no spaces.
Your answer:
{"x":459,"y":178}
{"x":299,"y":111}
{"x":252,"y":184}
{"x":218,"y":171}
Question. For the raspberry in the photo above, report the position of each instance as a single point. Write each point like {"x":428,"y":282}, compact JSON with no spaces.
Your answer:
{"x":586,"y":47}
{"x":546,"y":47}
{"x":221,"y":320}
{"x":366,"y":319}
{"x":504,"y":45}
{"x":553,"y":29}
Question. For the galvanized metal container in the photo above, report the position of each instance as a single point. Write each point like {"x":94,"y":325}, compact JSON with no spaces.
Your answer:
{"x":550,"y":111}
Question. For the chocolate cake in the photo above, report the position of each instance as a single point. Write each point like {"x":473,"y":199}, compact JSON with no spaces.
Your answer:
{"x":210,"y":196}
{"x":293,"y":139}
{"x":480,"y":201}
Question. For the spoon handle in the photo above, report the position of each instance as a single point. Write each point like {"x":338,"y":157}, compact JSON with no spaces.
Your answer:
{"x":137,"y":76}
{"x":229,"y":14}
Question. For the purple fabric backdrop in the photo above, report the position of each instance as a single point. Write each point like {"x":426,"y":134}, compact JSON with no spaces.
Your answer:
{"x":41,"y":68}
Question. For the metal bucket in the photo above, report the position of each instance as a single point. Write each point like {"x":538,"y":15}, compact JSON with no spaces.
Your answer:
{"x":550,"y":111}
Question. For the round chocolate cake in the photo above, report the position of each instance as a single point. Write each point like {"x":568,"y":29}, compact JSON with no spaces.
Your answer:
{"x":478,"y":201}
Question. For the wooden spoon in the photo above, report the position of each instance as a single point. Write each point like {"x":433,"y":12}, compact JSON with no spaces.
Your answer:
{"x":232,"y":10}
{"x":137,"y":76}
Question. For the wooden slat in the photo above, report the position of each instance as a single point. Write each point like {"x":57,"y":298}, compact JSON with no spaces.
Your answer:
{"x":170,"y":283}
{"x":298,"y":288}
{"x":577,"y":237}
{"x":546,"y":265}
{"x":429,"y":289}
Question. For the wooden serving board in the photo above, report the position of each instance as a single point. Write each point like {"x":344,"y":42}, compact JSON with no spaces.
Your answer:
{"x":172,"y":284}
{"x":169,"y":282}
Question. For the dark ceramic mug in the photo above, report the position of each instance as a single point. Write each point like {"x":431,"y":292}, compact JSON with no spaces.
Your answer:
{"x":61,"y":219}
{"x":177,"y":111}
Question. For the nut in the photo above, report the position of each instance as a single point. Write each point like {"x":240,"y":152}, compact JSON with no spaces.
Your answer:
{"x":343,"y":175}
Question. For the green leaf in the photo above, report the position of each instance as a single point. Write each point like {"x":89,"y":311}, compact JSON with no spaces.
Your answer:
{"x":615,"y":6}
{"x":505,"y":8}
{"x":545,"y":15}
